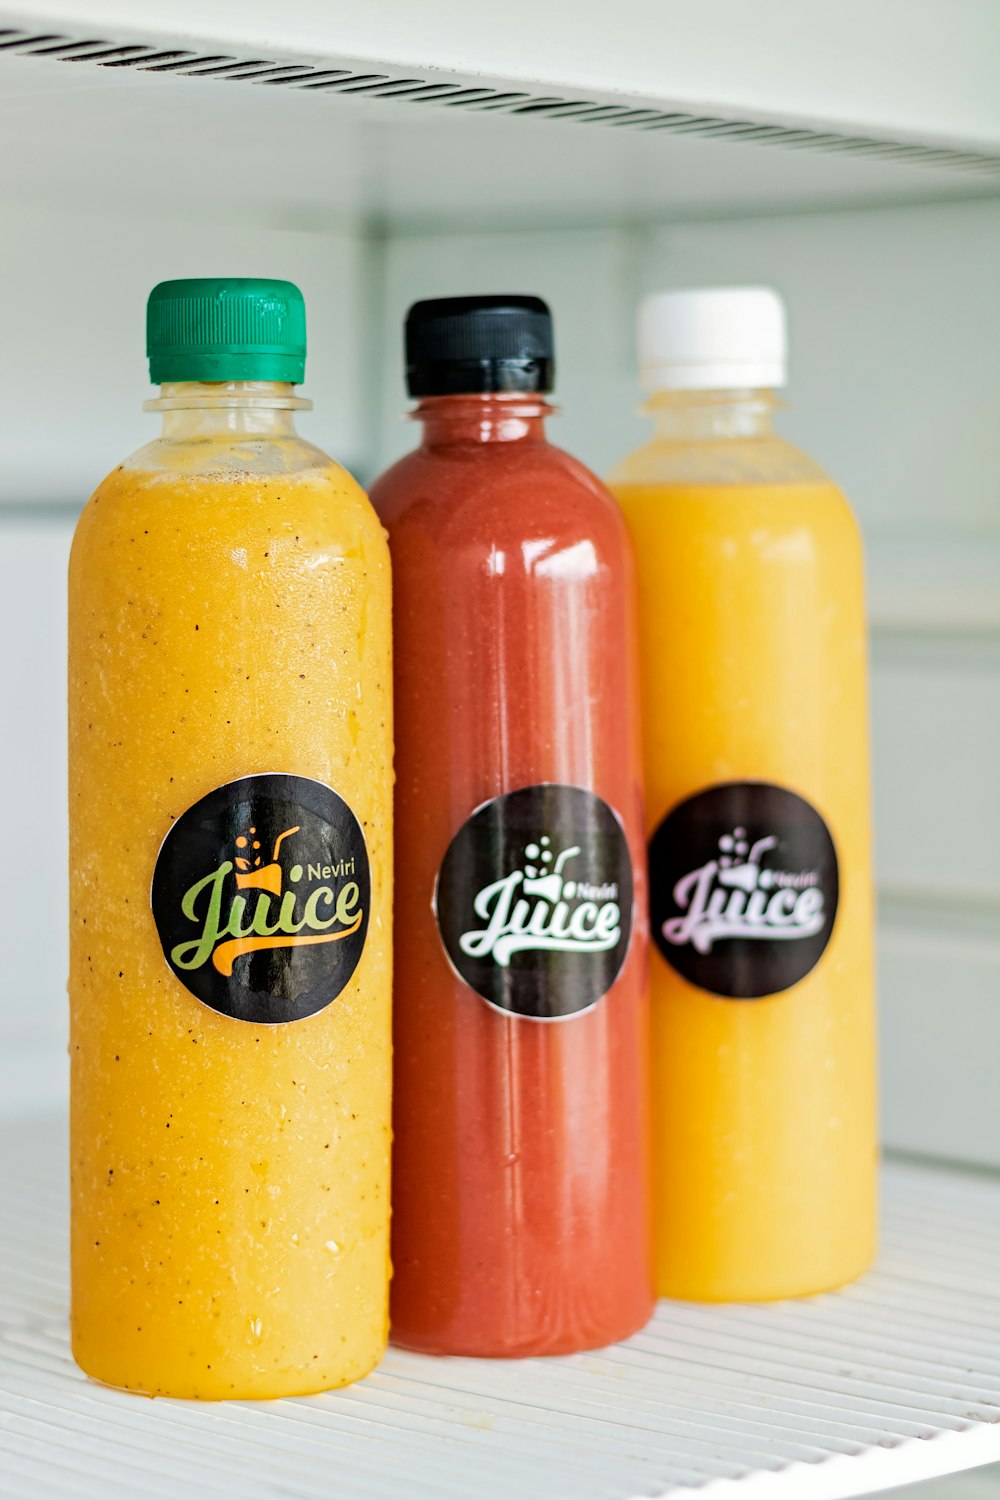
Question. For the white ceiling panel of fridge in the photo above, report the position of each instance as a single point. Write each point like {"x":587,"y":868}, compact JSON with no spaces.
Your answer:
{"x":382,"y":129}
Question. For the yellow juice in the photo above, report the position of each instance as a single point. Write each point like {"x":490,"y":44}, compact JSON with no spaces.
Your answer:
{"x":755,"y":723}
{"x":229,"y":634}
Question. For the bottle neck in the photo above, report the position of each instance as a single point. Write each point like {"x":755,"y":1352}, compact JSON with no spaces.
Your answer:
{"x":710,"y":416}
{"x":194,"y":410}
{"x":493,"y":417}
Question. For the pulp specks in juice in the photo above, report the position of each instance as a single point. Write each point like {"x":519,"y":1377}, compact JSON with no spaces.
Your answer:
{"x":230,"y":875}
{"x":230,"y":1179}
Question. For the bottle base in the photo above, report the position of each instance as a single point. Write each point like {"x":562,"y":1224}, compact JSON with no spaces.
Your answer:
{"x":465,"y":1345}
{"x":755,"y":1289}
{"x":219,"y":1388}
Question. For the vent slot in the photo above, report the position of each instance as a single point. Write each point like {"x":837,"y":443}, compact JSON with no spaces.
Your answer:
{"x":272,"y":73}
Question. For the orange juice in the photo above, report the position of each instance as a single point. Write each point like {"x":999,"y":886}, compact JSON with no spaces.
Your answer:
{"x":755,"y":723}
{"x":230,"y":795}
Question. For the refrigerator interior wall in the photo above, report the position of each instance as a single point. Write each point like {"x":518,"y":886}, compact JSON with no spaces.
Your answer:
{"x":895,"y":318}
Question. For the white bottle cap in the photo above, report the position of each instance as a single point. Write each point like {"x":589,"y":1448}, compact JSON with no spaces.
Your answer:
{"x":716,"y":339}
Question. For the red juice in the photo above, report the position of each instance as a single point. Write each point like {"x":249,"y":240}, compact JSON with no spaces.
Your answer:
{"x":520,"y":1174}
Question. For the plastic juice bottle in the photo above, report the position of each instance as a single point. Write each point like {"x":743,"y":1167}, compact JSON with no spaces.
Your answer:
{"x":520,"y":1161}
{"x":230,"y":786}
{"x":756,"y":751}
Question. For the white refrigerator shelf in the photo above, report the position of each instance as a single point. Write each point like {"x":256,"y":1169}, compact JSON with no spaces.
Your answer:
{"x":894,"y":1380}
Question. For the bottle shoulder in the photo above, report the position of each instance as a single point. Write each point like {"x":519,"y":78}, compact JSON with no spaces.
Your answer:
{"x":228,"y":456}
{"x":515,"y":486}
{"x":766,"y":460}
{"x":200,"y":492}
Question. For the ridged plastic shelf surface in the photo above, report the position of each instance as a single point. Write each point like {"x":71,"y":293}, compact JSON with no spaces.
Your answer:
{"x":894,"y":1380}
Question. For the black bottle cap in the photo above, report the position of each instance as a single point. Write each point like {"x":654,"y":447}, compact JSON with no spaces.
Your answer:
{"x":467,"y":345}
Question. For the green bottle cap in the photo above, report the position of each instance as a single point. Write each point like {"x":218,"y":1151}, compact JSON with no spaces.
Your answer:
{"x":226,"y":328}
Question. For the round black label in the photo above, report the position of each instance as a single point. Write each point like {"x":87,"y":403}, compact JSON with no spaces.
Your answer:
{"x":743,"y":887}
{"x":261,"y":897}
{"x":534,"y":901}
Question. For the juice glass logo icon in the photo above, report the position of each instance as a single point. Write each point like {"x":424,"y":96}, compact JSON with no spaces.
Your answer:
{"x":548,"y":885}
{"x":248,"y":872}
{"x":744,"y":888}
{"x":538,"y":923}
{"x":264,"y":942}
